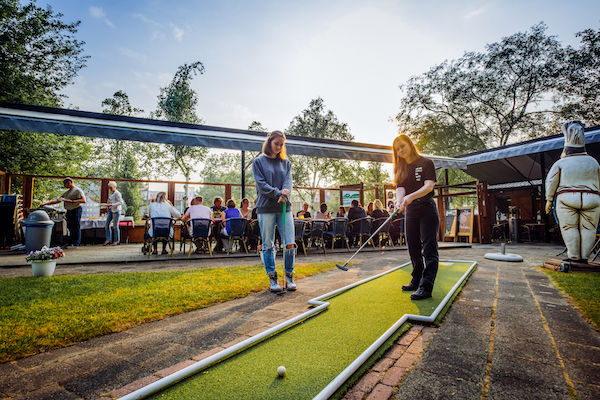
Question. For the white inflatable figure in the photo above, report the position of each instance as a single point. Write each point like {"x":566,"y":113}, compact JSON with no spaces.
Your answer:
{"x":574,"y":181}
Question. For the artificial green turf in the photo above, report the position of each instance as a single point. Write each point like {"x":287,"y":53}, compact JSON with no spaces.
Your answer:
{"x":318,"y":349}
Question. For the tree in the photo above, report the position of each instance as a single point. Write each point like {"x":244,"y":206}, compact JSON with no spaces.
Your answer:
{"x":581,"y":86}
{"x":125,"y":159}
{"x":39,"y":56}
{"x":489,"y":98}
{"x":315,"y":122}
{"x":177,"y":102}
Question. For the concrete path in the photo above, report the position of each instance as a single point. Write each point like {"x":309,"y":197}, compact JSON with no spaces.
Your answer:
{"x":508,"y":335}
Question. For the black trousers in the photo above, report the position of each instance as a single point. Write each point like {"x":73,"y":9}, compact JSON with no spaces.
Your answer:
{"x":73,"y":225}
{"x":422,"y":226}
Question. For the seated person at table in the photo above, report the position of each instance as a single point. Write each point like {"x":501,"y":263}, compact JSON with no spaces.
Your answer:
{"x":217,"y":208}
{"x":304,"y":213}
{"x":370,"y":209}
{"x":391,"y":206}
{"x":245,"y":209}
{"x":254,"y":213}
{"x":341,"y":212}
{"x":230,"y":212}
{"x":197,"y":209}
{"x":162,"y":207}
{"x":378,"y":212}
{"x":323,"y":214}
{"x":355,"y":212}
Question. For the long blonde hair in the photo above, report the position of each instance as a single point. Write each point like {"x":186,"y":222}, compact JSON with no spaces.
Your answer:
{"x":267,"y":149}
{"x":400,"y":170}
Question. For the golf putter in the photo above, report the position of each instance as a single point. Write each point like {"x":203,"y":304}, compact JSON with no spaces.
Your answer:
{"x":284,"y":286}
{"x":344,"y":267}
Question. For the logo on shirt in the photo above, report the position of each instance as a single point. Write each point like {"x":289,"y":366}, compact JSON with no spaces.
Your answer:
{"x":418,"y":172}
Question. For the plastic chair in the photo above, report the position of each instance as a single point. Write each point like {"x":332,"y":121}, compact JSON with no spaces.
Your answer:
{"x":300,"y":232}
{"x":338,"y":227}
{"x":384,"y":233}
{"x":200,"y":234}
{"x":254,"y":237}
{"x":237,"y":232}
{"x":361,"y":227}
{"x":318,"y":227}
{"x":162,"y":231}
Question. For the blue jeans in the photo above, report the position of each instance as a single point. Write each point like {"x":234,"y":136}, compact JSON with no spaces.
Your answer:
{"x":267,"y":223}
{"x":113,"y":216}
{"x":74,"y":226}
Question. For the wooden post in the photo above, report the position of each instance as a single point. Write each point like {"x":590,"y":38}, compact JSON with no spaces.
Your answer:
{"x":321,"y":196}
{"x":171,"y":192}
{"x":27,"y":191}
{"x":227,"y":192}
{"x":376,"y":192}
{"x":484,"y":221}
{"x":103,"y":193}
{"x":441,"y":213}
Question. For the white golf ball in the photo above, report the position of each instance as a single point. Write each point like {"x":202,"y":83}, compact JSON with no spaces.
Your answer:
{"x":281,"y":371}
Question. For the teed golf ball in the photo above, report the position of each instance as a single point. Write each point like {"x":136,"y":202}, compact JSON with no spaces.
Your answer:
{"x":281,"y":371}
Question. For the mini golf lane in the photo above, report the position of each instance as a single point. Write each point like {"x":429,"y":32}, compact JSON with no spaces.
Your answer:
{"x":319,"y":351}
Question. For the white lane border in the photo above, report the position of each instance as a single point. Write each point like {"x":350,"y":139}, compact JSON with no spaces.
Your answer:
{"x":339,"y":380}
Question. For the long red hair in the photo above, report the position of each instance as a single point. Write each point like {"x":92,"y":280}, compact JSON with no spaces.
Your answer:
{"x":400,"y":170}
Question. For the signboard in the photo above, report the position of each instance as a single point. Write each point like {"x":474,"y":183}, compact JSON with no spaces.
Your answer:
{"x":450,"y":224}
{"x":465,"y":222}
{"x":348,"y":196}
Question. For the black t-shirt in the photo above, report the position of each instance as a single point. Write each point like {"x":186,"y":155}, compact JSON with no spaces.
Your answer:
{"x":418,"y":172}
{"x":306,"y":214}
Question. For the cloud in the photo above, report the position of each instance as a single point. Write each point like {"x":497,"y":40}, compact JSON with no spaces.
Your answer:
{"x":147,"y":20}
{"x":177,"y":32}
{"x":475,"y":13}
{"x":132,"y":54}
{"x":98,"y":13}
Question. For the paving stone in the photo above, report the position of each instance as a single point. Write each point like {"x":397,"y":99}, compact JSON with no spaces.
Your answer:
{"x":133,"y":386}
{"x":51,"y":393}
{"x":407,"y":360}
{"x":383,"y":364}
{"x":576,"y":352}
{"x":583,"y":371}
{"x":424,"y":385}
{"x":98,"y":382}
{"x":457,"y":365}
{"x":381,"y":392}
{"x":50,"y":356}
{"x":393,"y":376}
{"x":521,"y":373}
{"x":354,"y":395}
{"x":368,"y":382}
{"x":540,"y":351}
{"x":519,"y":390}
{"x":587,"y":392}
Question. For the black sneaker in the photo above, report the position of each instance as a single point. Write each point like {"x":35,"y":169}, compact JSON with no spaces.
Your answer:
{"x":421,"y":294}
{"x":411,"y":287}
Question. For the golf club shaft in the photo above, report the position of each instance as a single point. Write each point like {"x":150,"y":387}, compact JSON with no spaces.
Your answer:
{"x":283,"y":245}
{"x":373,"y":235}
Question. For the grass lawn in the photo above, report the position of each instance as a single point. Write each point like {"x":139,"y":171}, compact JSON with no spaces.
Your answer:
{"x":37,"y":314}
{"x":583,"y":288}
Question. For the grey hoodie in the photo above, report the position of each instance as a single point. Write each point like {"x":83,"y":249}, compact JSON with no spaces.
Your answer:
{"x":272,"y":175}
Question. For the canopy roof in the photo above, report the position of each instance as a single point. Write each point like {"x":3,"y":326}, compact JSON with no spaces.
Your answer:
{"x":83,"y":123}
{"x":522,"y":161}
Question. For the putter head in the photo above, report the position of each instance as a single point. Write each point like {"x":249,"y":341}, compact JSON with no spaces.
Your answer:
{"x":342,"y":267}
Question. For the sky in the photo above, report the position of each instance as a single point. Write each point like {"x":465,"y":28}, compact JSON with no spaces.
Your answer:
{"x":265,"y":60}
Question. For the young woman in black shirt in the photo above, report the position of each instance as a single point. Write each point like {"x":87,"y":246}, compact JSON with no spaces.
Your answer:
{"x":414,"y":176}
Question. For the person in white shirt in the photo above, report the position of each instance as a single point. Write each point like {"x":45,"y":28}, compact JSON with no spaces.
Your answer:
{"x":196,"y":210}
{"x":114,"y":205}
{"x":162,"y":208}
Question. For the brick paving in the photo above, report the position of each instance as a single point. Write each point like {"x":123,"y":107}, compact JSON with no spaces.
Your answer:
{"x":510,"y":334}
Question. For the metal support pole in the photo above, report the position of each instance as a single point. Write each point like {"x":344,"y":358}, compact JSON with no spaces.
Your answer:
{"x":243,"y":174}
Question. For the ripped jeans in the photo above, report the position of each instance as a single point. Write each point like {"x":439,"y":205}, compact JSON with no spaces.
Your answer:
{"x":267,"y":223}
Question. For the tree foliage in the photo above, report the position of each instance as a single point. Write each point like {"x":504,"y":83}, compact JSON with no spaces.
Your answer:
{"x":315,"y":122}
{"x":485,"y":99}
{"x":39,"y":56}
{"x":581,"y":85}
{"x":177,"y":102}
{"x":39,"y":53}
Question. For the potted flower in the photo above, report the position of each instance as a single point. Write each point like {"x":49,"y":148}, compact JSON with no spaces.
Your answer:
{"x":43,"y":261}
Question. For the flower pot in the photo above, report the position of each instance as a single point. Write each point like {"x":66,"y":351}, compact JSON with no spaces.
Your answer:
{"x":43,"y":268}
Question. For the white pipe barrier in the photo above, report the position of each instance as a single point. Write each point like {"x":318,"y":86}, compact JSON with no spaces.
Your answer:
{"x":339,"y":380}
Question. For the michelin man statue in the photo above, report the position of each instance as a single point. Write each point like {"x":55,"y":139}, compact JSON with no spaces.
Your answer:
{"x":574,"y":183}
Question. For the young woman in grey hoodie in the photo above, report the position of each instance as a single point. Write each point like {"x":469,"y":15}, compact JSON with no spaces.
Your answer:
{"x":273,"y":175}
